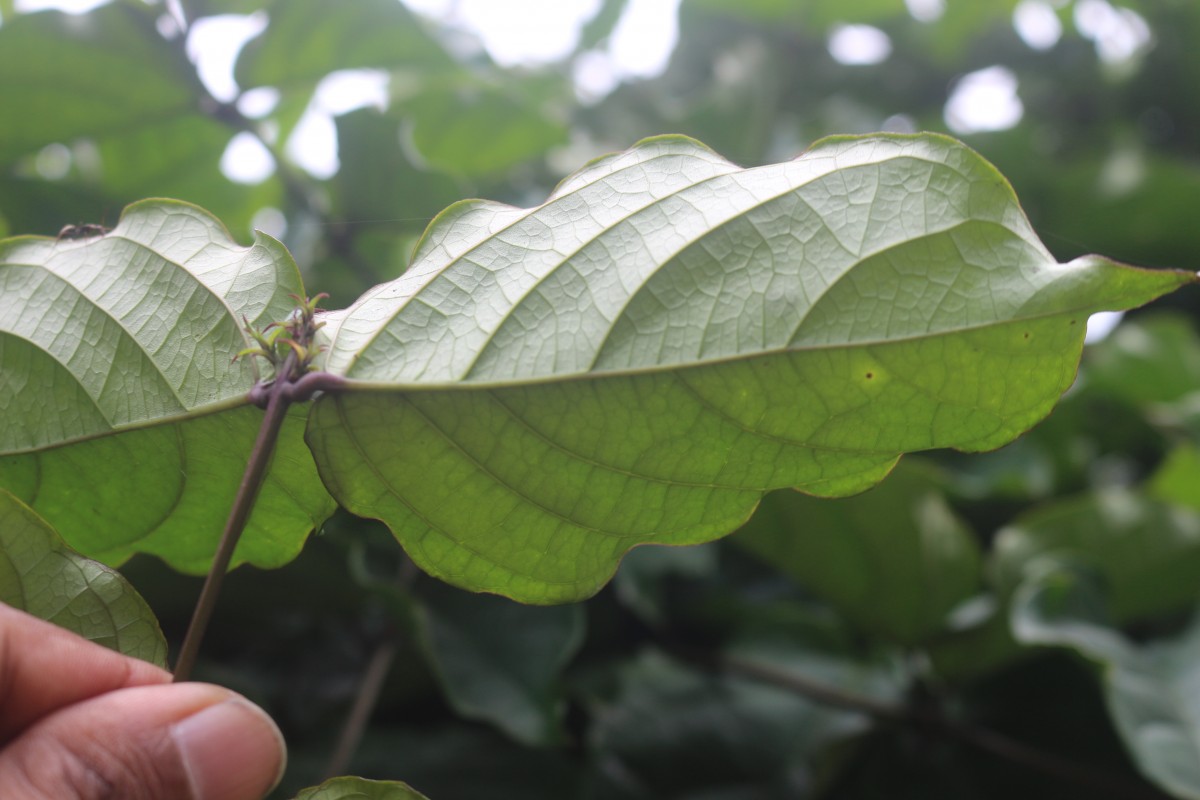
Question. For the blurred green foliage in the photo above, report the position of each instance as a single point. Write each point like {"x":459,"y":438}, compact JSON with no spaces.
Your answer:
{"x":691,"y":677}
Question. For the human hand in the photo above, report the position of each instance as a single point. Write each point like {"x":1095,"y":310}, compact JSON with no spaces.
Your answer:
{"x":81,"y":722}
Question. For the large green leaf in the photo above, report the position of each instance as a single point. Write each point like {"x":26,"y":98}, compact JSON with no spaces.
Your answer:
{"x":127,"y":425}
{"x":894,"y":561}
{"x":638,"y":359}
{"x":1150,"y":689}
{"x":41,"y":575}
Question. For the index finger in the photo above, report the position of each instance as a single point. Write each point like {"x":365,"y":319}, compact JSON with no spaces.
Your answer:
{"x":44,"y":668}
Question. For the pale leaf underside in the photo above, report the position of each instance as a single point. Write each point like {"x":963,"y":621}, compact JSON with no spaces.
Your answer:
{"x":125,"y":419}
{"x":641,"y":357}
{"x":635,"y":361}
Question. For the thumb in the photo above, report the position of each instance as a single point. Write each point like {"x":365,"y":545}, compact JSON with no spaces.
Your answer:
{"x":187,"y":741}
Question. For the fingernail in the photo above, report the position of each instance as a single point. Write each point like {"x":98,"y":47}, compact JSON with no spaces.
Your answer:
{"x":231,"y":751}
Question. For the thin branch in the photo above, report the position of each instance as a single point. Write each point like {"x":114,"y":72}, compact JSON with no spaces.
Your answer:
{"x":814,"y":690}
{"x":239,"y":513}
{"x":1096,"y":779}
{"x":365,"y":701}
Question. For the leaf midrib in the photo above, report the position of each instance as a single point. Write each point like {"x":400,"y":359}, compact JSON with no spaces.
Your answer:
{"x":357,"y":384}
{"x":226,"y":404}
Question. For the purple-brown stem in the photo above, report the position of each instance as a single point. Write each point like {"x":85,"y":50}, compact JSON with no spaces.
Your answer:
{"x":278,"y":399}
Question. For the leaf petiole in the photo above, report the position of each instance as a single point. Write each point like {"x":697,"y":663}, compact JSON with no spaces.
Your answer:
{"x":292,"y":356}
{"x":239,"y":513}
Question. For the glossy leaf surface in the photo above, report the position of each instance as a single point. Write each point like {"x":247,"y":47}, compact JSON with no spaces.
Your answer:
{"x":39,"y":574}
{"x":669,"y":336}
{"x":126,"y":421}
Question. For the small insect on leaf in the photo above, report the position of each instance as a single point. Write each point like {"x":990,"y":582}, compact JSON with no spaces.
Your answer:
{"x":87,"y":230}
